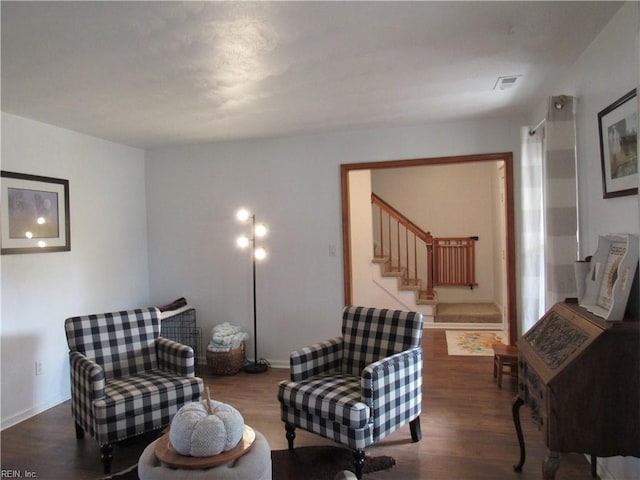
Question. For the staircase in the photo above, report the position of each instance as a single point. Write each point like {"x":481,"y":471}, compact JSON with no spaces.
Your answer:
{"x":403,"y":250}
{"x":407,"y":296}
{"x":405,"y":282}
{"x":451,"y":315}
{"x":408,"y":261}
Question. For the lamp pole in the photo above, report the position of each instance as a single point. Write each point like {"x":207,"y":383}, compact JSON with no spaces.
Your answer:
{"x":254,"y":367}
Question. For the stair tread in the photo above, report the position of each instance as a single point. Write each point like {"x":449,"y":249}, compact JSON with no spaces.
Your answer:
{"x":392,"y":273}
{"x":405,"y":284}
{"x":482,"y":312}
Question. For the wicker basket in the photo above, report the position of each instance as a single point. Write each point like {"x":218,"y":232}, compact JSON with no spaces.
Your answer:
{"x":226,"y":363}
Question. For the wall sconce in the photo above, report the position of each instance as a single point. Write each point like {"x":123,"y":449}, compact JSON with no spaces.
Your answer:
{"x":257,"y":253}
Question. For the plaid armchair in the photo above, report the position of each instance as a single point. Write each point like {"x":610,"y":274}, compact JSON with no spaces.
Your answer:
{"x":358,"y":388}
{"x":125,"y":378}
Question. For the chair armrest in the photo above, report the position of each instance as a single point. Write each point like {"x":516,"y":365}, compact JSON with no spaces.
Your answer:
{"x":175,"y":357}
{"x":394,"y":383}
{"x":87,"y":378}
{"x":315,"y":359}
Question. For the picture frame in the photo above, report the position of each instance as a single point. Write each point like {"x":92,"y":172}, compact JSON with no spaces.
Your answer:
{"x":34,"y":213}
{"x":618,"y":128}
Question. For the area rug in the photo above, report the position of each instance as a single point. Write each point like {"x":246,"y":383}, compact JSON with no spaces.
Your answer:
{"x":321,"y":463}
{"x":305,"y":463}
{"x":463,"y":342}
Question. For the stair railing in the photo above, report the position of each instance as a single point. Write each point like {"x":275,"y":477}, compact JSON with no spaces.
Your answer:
{"x":412,"y":253}
{"x":407,"y":248}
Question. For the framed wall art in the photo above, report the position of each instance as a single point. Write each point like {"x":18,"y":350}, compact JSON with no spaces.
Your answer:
{"x":618,"y":126}
{"x":35,"y":214}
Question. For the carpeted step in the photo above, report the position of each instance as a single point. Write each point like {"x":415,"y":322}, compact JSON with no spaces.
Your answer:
{"x":468,"y":313}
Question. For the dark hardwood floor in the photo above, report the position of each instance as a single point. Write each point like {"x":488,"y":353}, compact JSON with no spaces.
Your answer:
{"x":467,"y":429}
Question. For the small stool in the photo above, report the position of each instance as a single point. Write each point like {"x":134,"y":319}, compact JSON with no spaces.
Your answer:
{"x":255,"y":464}
{"x":504,"y":356}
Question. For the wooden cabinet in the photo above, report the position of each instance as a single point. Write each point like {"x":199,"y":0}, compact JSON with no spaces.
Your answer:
{"x":579,"y":376}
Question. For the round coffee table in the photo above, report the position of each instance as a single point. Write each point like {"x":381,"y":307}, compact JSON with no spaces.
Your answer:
{"x":255,"y":464}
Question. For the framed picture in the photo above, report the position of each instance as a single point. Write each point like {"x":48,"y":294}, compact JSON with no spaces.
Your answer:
{"x":618,"y":126}
{"x":35,"y":214}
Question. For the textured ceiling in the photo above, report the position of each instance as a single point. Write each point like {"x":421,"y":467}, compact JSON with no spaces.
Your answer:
{"x":152,"y":74}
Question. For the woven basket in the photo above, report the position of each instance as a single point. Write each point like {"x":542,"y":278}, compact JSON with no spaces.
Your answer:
{"x":226,"y":363}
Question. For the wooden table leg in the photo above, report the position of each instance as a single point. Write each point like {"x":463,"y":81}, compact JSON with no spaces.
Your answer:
{"x":516,"y":421}
{"x":550,"y":466}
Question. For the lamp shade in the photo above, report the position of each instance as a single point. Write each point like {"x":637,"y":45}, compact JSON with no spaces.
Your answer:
{"x":260,"y":230}
{"x":243,"y":215}
{"x":243,"y":241}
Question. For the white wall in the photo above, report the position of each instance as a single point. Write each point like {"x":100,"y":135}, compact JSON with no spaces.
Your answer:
{"x":105,"y":270}
{"x":605,"y":71}
{"x":363,"y":291}
{"x":293,"y":184}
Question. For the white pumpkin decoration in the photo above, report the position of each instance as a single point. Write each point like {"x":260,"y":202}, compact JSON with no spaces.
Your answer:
{"x":202,"y":429}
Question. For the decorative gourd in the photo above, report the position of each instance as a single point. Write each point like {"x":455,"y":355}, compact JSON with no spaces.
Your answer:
{"x":205,"y":428}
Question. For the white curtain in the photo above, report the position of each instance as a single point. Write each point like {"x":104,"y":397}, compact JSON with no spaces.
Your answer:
{"x":532,"y":284}
{"x":560,"y":200}
{"x":549,"y":211}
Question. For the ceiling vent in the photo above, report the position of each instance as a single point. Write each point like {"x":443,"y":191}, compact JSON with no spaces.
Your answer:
{"x":506,"y":83}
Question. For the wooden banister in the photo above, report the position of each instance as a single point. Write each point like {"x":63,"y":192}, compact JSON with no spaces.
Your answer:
{"x":404,"y":221}
{"x":403,"y":234}
{"x":445,"y":261}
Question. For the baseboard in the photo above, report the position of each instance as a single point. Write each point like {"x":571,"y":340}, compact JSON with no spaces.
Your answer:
{"x":30,"y":412}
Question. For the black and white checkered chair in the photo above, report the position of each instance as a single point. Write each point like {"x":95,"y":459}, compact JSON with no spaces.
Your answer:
{"x":125,"y":379}
{"x":358,"y":388}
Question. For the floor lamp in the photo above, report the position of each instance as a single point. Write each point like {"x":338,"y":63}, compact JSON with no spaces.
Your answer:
{"x":258,"y":253}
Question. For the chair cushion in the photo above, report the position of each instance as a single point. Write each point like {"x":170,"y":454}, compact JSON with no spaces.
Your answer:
{"x":122,"y":343}
{"x":140,"y":403}
{"x":333,"y":397}
{"x":371,"y":334}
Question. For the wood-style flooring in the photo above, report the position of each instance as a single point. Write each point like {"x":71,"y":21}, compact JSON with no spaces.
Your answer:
{"x":467,"y":430}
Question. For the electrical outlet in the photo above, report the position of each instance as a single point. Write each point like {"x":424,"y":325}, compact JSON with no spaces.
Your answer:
{"x":38,"y":368}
